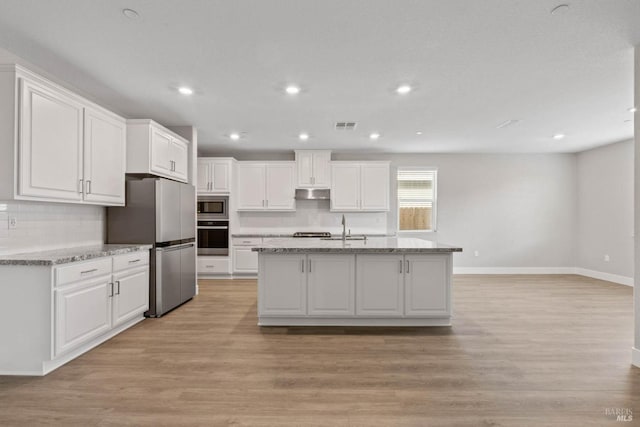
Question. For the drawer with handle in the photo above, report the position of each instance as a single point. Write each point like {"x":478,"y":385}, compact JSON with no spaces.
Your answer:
{"x":130,"y":260}
{"x":247,"y":241}
{"x":82,"y":270}
{"x":213,"y":265}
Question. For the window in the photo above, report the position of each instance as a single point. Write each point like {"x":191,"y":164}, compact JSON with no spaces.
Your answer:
{"x":416,"y":199}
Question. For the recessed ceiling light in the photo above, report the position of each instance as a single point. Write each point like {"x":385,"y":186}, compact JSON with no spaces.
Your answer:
{"x":419,"y":133}
{"x":560,"y":9}
{"x":185,"y":90}
{"x":130,"y":13}
{"x":559,"y":136}
{"x":632,"y":109}
{"x":292,"y":90}
{"x":403,"y":89}
{"x":303,"y":136}
{"x":234,"y":136}
{"x":374,"y":136}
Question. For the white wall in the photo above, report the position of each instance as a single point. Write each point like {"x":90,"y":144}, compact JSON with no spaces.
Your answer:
{"x":605,"y":209}
{"x":636,"y":208}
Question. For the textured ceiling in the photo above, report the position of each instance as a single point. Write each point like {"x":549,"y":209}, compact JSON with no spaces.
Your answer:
{"x":474,"y":64}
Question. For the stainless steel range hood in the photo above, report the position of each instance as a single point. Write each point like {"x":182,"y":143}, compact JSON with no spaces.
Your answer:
{"x":312,"y":193}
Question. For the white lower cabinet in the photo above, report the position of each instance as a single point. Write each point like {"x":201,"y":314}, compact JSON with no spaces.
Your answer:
{"x":213,"y":265}
{"x":245,"y":260}
{"x":130,"y":294}
{"x":331,"y":284}
{"x":424,"y":293}
{"x":284,"y":285}
{"x":379,"y":287}
{"x":83,"y":312}
{"x":51,"y":314}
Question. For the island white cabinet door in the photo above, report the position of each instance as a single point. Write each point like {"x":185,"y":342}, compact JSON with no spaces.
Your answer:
{"x":204,"y":176}
{"x":282,"y":285}
{"x":331,"y":284}
{"x":50,"y":143}
{"x":379,"y":285}
{"x":280,"y":186}
{"x":427,"y":285}
{"x":83,"y":311}
{"x":104,"y":158}
{"x":130,"y":295}
{"x":345,"y":187}
{"x":161,"y":153}
{"x":374,"y":187}
{"x":251,"y":186}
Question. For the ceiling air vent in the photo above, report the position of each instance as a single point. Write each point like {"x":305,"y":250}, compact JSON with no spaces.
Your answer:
{"x":345,"y":125}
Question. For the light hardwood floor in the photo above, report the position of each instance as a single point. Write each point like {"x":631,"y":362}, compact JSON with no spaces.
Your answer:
{"x":523,"y":351}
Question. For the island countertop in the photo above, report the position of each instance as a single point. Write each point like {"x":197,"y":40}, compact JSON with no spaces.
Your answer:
{"x":371,"y":245}
{"x":74,"y":254}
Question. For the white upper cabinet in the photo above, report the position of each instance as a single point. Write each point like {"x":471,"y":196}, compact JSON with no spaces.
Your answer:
{"x":154,"y":149}
{"x":314,"y":170}
{"x":214,"y":175}
{"x":104,"y":157}
{"x":65,"y":148}
{"x":359,"y":186}
{"x":266,"y":186}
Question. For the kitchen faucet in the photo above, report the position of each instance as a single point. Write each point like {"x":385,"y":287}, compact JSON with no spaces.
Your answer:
{"x":344,"y":229}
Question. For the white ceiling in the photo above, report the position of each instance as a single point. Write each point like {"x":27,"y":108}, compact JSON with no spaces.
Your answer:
{"x":474,"y":64}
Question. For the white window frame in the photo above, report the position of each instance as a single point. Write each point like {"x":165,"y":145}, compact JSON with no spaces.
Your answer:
{"x":434,"y":208}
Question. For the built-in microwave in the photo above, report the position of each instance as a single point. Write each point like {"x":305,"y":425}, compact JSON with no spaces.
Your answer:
{"x":213,"y":207}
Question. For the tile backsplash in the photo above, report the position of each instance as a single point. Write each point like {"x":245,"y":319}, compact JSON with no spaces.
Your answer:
{"x":310,"y":215}
{"x":42,"y":226}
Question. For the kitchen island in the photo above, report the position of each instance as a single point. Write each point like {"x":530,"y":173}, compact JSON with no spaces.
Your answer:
{"x":380,"y":281}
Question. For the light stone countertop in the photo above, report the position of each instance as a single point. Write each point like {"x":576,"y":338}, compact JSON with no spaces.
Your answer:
{"x":290,"y":235}
{"x":67,"y":255}
{"x":371,"y":245}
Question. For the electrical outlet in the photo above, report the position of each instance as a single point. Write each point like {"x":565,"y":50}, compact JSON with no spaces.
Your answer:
{"x":13,"y":223}
{"x":607,"y":258}
{"x":476,"y":253}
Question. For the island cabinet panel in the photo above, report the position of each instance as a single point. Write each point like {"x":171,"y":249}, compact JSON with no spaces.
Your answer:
{"x":331,"y":284}
{"x":427,"y":284}
{"x":282,"y":285}
{"x":379,"y":285}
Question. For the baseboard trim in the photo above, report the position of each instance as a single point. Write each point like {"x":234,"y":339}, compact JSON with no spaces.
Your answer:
{"x":513,"y":270}
{"x":615,"y":278}
{"x":635,"y":357}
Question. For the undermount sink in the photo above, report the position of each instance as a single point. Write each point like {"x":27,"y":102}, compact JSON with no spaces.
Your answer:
{"x":347,"y":238}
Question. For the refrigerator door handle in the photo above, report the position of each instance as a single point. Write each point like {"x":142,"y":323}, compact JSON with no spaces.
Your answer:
{"x":175,"y":248}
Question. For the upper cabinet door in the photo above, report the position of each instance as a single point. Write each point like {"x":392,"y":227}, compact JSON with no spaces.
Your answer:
{"x":280,"y":188}
{"x":160,"y":152}
{"x":251,"y":186}
{"x":304,"y":163}
{"x":50,"y":144}
{"x":104,"y":158}
{"x":221,"y":176}
{"x":204,"y":176}
{"x":322,"y":169}
{"x":374,"y":187}
{"x":179,"y":159}
{"x":345,"y":186}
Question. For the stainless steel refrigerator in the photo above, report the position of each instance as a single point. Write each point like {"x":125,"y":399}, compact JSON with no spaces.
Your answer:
{"x":162,"y":213}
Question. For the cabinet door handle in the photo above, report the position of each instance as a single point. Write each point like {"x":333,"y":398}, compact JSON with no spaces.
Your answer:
{"x":407,"y":266}
{"x":118,"y":283}
{"x":309,"y":266}
{"x":302,"y":263}
{"x":400,"y":266}
{"x":88,"y":186}
{"x":134,"y":260}
{"x":89,"y":271}
{"x":110,"y":290}
{"x":81,"y":186}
